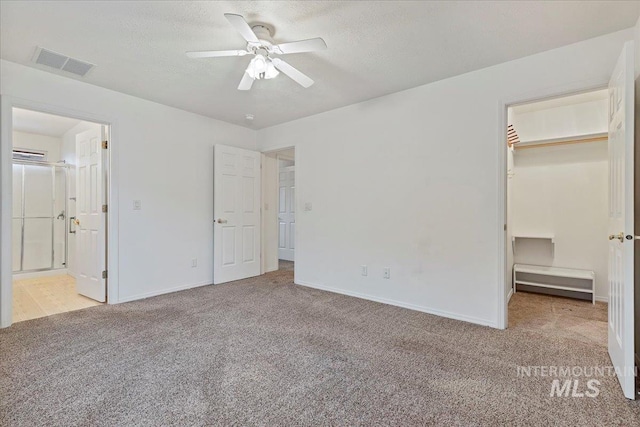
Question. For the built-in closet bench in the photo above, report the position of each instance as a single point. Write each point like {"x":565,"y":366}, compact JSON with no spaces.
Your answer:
{"x":555,"y":278}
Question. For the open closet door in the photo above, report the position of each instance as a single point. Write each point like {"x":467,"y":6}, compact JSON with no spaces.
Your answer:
{"x":621,"y":221}
{"x":236,"y":212}
{"x":90,"y":217}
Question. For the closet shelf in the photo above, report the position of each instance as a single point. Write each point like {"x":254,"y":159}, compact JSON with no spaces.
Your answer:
{"x":548,"y":237}
{"x":591,"y":137}
{"x":556,"y":271}
{"x":557,"y":278}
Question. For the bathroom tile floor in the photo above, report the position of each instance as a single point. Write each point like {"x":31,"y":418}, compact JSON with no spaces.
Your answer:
{"x":44,"y":296}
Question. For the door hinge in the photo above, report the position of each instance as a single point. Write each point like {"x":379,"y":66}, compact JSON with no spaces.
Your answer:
{"x":104,"y":274}
{"x":104,"y":208}
{"x":105,"y":144}
{"x":505,"y":227}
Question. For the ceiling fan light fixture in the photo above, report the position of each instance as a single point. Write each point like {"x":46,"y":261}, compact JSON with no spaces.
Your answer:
{"x":259,"y":64}
{"x":261,"y":68}
{"x":271,"y":71}
{"x":263,"y":65}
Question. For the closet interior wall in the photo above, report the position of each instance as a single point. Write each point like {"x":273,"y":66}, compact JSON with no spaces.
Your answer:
{"x":560,"y":191}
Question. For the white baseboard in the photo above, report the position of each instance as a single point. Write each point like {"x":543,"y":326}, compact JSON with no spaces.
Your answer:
{"x":510,"y":295}
{"x":36,"y":274}
{"x":161,"y":292}
{"x":270,"y":269}
{"x":428,"y":310}
{"x":602,"y":299}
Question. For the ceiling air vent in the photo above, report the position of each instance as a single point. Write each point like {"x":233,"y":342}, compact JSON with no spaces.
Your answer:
{"x":77,"y":67}
{"x":61,"y":62}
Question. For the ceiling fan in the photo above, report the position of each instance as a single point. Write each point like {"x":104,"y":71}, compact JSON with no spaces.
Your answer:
{"x":264,"y":64}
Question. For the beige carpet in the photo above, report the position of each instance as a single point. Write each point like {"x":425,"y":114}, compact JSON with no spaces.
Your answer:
{"x":266,"y":352}
{"x":559,"y":317}
{"x":284,"y":265}
{"x":44,"y":296}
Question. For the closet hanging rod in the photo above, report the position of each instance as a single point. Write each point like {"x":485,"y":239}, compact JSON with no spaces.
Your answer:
{"x":39,"y":163}
{"x":597,"y":137}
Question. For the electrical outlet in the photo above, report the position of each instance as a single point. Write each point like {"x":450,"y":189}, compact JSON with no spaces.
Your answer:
{"x":363,"y":270}
{"x":137,"y":205}
{"x":386,"y":273}
{"x":308,"y":206}
{"x":194,"y":262}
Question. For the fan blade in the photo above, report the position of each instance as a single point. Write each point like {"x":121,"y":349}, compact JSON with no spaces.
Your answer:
{"x":242,"y":27}
{"x":216,"y":53}
{"x":310,"y":45}
{"x":246,"y":82}
{"x":293,"y":73}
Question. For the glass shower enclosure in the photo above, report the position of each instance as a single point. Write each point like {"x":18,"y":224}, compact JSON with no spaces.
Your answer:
{"x":39,"y":216}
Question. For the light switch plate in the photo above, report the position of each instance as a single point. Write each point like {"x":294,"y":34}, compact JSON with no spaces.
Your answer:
{"x":308,"y":206}
{"x":137,"y":205}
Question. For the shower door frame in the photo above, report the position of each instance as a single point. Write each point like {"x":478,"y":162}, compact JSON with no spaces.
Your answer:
{"x":53,"y":167}
{"x":7,"y":103}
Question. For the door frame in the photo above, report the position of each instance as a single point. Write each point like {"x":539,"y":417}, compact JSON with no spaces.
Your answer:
{"x":278,"y":158}
{"x":265,"y":243}
{"x":568,"y":89}
{"x":7,"y":103}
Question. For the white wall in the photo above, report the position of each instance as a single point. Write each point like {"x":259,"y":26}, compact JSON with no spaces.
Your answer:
{"x":50,"y":144}
{"x":417,"y":184}
{"x":163,"y":158}
{"x":563,"y":191}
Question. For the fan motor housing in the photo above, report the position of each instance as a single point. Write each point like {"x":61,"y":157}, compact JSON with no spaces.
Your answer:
{"x":264,"y":32}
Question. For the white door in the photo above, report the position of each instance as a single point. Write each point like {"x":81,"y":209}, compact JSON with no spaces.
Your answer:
{"x":286,"y":212}
{"x":621,"y":233}
{"x":90,"y":220}
{"x":236,"y":211}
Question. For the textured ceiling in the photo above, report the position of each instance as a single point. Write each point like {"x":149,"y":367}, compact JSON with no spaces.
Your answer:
{"x":41,"y":123}
{"x":374,"y":48}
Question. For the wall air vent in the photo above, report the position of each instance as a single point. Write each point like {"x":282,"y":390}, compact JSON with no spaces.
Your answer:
{"x":512,"y":136}
{"x":58,"y":61}
{"x":22,"y":154}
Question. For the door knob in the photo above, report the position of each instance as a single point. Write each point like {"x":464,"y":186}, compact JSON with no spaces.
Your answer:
{"x":221,"y":221}
{"x":77,"y":221}
{"x":619,"y":236}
